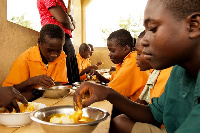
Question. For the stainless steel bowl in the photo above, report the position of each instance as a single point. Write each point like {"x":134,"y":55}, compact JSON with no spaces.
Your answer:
{"x":56,"y":91}
{"x":97,"y":114}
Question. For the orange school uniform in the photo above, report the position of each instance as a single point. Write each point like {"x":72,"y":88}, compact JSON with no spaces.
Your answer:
{"x":128,"y":80}
{"x":160,"y":83}
{"x":29,"y":64}
{"x":82,"y":64}
{"x":155,"y":84}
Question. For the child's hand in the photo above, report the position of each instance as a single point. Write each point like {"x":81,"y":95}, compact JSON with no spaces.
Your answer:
{"x":95,"y":67}
{"x":113,"y":68}
{"x":93,"y":92}
{"x":43,"y":80}
{"x":8,"y":97}
{"x":99,"y":63}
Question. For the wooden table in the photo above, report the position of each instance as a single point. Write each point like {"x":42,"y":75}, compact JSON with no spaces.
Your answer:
{"x":34,"y":127}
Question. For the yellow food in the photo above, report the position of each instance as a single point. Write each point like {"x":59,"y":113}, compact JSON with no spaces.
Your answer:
{"x":67,"y":118}
{"x":32,"y":106}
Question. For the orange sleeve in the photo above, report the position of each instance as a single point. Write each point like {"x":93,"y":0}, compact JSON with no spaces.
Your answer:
{"x":82,"y":64}
{"x":128,"y":80}
{"x":160,"y":83}
{"x":19,"y":71}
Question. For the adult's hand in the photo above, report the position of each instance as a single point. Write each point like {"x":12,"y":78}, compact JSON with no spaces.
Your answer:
{"x":42,"y":80}
{"x":9,"y":97}
{"x":91,"y":92}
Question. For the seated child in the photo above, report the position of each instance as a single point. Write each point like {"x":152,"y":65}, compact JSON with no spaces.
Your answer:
{"x":157,"y":80}
{"x":40,"y":65}
{"x":92,"y":51}
{"x":128,"y":80}
{"x":84,"y":64}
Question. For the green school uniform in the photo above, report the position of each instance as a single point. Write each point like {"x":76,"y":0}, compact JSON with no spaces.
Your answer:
{"x":178,"y":108}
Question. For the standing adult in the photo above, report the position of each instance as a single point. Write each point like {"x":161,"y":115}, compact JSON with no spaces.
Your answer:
{"x":55,"y":12}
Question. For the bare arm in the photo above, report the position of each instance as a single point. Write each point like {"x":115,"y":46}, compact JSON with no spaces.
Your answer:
{"x":61,"y":16}
{"x":135,"y":111}
{"x":88,"y":69}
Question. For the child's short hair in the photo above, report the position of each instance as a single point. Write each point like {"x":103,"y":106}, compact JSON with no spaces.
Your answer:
{"x":51,"y":30}
{"x":122,"y":37}
{"x":84,"y":47}
{"x":180,"y":9}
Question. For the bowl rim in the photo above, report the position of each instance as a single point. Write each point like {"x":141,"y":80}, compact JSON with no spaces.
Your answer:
{"x":51,"y":88}
{"x":106,"y":115}
{"x":15,"y":113}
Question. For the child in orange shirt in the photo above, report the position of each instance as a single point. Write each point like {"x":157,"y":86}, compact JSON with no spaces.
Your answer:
{"x":127,"y":79}
{"x":40,"y":65}
{"x":84,"y":64}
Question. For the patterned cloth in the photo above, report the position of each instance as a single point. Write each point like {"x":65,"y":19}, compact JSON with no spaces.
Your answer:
{"x":45,"y":15}
{"x":145,"y":94}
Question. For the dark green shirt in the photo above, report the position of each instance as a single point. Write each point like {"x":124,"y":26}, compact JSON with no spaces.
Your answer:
{"x":178,"y":108}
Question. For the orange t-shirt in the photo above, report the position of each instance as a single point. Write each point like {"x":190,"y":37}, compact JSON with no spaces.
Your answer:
{"x":82,"y":64}
{"x":128,"y":80}
{"x":159,"y":86}
{"x":29,"y":64}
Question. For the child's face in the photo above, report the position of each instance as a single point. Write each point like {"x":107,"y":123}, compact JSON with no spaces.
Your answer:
{"x":92,"y":50}
{"x":85,"y":54}
{"x":51,"y":48}
{"x":166,"y":39}
{"x":142,"y":62}
{"x":117,"y":53}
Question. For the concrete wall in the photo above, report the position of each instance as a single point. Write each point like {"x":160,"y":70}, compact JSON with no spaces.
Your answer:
{"x":101,"y":54}
{"x":14,"y":39}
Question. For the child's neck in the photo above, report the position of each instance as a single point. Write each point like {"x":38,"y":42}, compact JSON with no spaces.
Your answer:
{"x":44,"y":59}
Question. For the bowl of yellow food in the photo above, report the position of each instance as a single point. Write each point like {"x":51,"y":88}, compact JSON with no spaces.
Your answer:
{"x":62,"y":119}
{"x":13,"y":119}
{"x":56,"y":91}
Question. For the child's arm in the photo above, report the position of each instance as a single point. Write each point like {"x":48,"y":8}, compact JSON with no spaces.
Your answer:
{"x":88,"y":69}
{"x":99,"y":76}
{"x":135,"y":111}
{"x":41,"y":80}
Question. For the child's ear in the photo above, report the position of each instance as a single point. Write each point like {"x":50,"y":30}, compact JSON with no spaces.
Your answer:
{"x":127,"y":48}
{"x":194,"y":27}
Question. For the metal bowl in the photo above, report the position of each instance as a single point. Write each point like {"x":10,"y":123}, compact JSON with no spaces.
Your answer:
{"x":56,"y":91}
{"x":97,"y":114}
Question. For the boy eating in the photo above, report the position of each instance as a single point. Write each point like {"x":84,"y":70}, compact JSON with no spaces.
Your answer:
{"x":172,"y":38}
{"x":40,"y":65}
